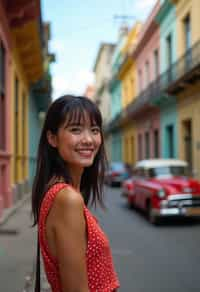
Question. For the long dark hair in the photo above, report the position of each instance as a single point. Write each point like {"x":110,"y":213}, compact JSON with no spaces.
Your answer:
{"x":51,"y":168}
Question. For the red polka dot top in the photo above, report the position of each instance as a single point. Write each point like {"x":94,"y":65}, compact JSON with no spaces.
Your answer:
{"x":101,"y":273}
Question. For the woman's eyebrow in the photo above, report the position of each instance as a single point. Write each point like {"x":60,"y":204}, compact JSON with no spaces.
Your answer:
{"x":74,"y":124}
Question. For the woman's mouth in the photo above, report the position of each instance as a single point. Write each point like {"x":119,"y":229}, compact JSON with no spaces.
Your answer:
{"x":87,"y":153}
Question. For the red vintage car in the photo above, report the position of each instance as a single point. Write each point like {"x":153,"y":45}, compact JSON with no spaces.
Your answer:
{"x":163,"y":188}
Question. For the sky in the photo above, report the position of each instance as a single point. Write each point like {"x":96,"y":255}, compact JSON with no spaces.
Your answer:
{"x":78,"y":27}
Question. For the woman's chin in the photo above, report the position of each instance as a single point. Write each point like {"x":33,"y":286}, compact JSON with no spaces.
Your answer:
{"x":87,"y":163}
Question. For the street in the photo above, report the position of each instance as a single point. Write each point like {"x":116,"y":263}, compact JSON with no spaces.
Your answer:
{"x":147,"y":258}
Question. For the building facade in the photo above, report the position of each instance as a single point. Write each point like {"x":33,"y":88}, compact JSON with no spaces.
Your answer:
{"x":166,"y":18}
{"x":114,"y":134}
{"x":187,"y":79}
{"x":127,"y":75}
{"x":147,"y":118}
{"x":21,"y":66}
{"x":102,"y":97}
{"x":5,"y":116}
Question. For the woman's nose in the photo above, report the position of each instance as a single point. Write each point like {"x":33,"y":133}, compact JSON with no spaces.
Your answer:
{"x":87,"y":136}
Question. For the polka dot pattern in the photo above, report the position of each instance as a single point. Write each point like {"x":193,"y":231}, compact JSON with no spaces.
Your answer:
{"x":101,"y":273}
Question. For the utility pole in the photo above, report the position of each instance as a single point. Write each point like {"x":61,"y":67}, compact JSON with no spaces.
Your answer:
{"x":123,"y":19}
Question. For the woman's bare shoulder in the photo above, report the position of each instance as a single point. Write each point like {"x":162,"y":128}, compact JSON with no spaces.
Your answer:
{"x":68,"y":199}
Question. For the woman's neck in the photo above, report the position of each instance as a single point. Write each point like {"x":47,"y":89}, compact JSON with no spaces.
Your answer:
{"x":76,"y":175}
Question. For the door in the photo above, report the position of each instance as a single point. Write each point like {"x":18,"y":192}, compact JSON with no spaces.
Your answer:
{"x":187,"y":141}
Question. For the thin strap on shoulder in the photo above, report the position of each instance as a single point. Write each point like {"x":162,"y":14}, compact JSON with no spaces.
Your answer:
{"x":37,"y":276}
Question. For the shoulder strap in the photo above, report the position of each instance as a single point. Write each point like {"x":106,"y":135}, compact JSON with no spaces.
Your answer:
{"x":37,"y":276}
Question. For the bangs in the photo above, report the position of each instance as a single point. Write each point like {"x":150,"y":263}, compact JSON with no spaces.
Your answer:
{"x":78,"y":112}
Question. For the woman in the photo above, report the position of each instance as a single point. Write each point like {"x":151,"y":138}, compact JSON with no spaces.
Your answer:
{"x":69,"y":175}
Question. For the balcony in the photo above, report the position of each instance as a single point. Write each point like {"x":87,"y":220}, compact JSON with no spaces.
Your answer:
{"x":185,"y":72}
{"x":181,"y":74}
{"x":24,"y":18}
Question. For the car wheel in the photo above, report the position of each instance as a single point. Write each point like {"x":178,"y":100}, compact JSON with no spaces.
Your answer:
{"x":153,"y":219}
{"x":130,"y":203}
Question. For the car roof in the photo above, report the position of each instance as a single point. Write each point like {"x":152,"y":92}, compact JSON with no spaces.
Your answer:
{"x":151,"y":163}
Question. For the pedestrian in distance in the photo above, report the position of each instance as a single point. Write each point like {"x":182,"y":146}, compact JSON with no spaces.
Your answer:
{"x":69,"y":176}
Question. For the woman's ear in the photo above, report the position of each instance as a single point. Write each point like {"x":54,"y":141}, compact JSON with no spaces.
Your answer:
{"x":52,"y":139}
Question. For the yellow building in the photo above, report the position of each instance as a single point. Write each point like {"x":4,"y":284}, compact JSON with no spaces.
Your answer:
{"x":187,"y":85}
{"x":27,"y":68}
{"x":127,"y":75}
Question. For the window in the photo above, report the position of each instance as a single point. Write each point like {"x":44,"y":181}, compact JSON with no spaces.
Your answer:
{"x":156,"y":64}
{"x":140,"y":146}
{"x":187,"y":32}
{"x":147,"y":73}
{"x":170,"y":139}
{"x":132,"y":149}
{"x":156,"y":143}
{"x":147,"y":144}
{"x":169,"y":50}
{"x":169,"y":58}
{"x":140,"y":79}
{"x":2,"y":97}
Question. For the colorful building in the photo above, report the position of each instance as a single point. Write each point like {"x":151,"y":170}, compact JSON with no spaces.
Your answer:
{"x":127,"y":75}
{"x":186,"y":83}
{"x":21,"y":66}
{"x":166,"y":18}
{"x":39,"y":100}
{"x":5,"y":116}
{"x":147,"y":117}
{"x":102,"y":70}
{"x":165,"y":103}
{"x":113,"y":132}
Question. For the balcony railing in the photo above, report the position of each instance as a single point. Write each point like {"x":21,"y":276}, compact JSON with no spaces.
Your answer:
{"x":172,"y":81}
{"x":169,"y":82}
{"x":183,"y":70}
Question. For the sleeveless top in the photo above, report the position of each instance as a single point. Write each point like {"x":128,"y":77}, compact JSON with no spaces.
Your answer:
{"x":100,"y":269}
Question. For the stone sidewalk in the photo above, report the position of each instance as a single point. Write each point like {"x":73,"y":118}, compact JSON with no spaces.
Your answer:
{"x":30,"y":281}
{"x":11,"y":223}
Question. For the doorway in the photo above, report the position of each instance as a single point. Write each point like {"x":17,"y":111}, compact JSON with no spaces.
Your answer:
{"x":187,"y":141}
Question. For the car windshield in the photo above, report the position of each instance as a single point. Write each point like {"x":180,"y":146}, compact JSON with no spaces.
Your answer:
{"x":118,"y":166}
{"x":167,"y":171}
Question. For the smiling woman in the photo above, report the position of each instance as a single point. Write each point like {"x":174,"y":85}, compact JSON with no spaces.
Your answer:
{"x":69,"y":175}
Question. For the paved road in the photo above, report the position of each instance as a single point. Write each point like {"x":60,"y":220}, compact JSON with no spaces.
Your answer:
{"x":17,"y":250}
{"x":148,"y":258}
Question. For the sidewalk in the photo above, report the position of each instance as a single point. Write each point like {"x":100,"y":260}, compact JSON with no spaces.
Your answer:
{"x":7,"y":213}
{"x":18,"y":249}
{"x":30,"y":281}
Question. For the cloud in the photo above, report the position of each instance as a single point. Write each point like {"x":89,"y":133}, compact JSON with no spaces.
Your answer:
{"x":143,"y":8}
{"x":75,"y":84}
{"x":57,"y":46}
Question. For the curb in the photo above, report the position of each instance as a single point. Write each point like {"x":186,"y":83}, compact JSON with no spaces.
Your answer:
{"x":7,"y":213}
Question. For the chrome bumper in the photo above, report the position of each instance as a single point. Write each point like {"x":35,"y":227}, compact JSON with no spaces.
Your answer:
{"x":179,"y":205}
{"x":187,"y":212}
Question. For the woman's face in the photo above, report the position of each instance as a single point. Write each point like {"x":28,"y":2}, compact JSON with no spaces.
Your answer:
{"x":78,"y":143}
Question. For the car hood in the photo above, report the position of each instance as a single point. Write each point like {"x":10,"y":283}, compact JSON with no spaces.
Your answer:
{"x":179,"y":184}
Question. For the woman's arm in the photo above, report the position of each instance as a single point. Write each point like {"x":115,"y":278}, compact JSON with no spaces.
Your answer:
{"x":69,"y":230}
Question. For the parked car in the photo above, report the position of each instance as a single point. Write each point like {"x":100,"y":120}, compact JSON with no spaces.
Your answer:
{"x":163,"y":188}
{"x":117,"y":172}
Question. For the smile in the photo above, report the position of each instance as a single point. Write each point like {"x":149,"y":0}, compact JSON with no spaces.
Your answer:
{"x":85,"y":152}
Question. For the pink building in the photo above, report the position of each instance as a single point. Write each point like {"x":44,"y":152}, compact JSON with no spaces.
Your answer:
{"x":89,"y":91}
{"x":147,"y":118}
{"x":5,"y":101}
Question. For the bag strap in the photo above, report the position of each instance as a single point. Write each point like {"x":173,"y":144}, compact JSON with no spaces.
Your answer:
{"x":37,"y":277}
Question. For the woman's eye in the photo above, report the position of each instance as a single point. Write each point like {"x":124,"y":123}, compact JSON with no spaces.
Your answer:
{"x":96,"y":130}
{"x":75,"y":129}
